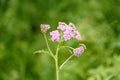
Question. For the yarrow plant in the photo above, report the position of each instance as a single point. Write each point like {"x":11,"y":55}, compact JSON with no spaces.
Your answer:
{"x":63,"y":33}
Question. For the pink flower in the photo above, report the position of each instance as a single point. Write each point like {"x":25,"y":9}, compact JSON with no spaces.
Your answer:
{"x":68,"y":34}
{"x":55,"y":36}
{"x":79,"y":51}
{"x":44,"y":27}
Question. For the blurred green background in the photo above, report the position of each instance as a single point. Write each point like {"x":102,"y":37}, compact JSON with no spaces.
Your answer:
{"x":97,"y":20}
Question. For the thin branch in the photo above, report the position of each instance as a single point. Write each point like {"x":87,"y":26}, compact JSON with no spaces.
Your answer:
{"x":67,"y":47}
{"x":48,"y":46}
{"x":66,"y":61}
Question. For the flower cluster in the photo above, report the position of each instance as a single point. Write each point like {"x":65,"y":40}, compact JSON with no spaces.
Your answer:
{"x":69,"y":32}
{"x":79,"y":51}
{"x":55,"y":36}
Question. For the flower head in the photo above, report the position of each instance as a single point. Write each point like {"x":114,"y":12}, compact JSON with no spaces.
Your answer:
{"x":79,"y":51}
{"x":44,"y":27}
{"x":55,"y":36}
{"x":68,"y":34}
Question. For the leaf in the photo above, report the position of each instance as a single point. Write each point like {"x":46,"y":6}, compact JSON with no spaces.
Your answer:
{"x":40,"y":51}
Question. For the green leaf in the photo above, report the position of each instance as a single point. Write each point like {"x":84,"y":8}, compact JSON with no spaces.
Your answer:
{"x":41,"y":51}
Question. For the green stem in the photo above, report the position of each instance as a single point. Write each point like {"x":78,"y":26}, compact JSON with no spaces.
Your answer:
{"x":48,"y":46}
{"x":57,"y":69}
{"x":56,"y":63}
{"x":66,"y":61}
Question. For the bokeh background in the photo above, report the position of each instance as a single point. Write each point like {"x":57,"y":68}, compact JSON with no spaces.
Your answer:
{"x":97,"y":20}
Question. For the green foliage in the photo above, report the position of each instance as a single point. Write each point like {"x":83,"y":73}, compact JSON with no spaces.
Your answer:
{"x":97,"y":20}
{"x":108,"y":71}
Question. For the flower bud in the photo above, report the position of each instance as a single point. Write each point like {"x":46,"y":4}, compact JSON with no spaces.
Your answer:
{"x":62,"y":26}
{"x":78,"y":36}
{"x":72,"y":25}
{"x":44,"y":27}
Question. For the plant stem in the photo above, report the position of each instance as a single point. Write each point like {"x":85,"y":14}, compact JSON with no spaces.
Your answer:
{"x":57,"y":69}
{"x":48,"y":46}
{"x":56,"y":63}
{"x":54,"y":56}
{"x":66,"y":61}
